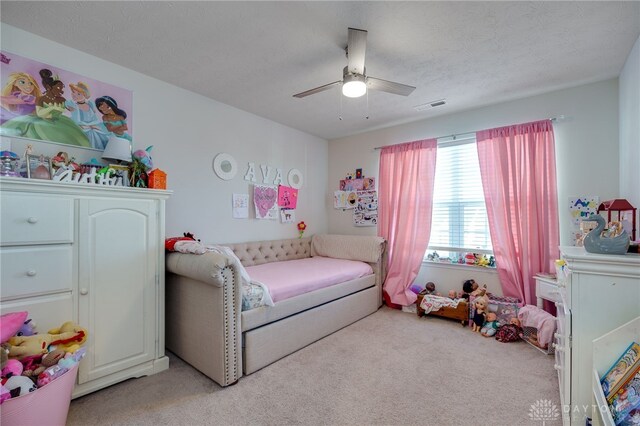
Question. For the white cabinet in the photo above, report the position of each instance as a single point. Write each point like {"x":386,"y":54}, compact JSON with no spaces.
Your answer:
{"x":94,"y":255}
{"x":603,"y":292}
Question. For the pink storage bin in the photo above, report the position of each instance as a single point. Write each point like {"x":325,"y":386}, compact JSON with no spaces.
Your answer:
{"x":49,"y":405}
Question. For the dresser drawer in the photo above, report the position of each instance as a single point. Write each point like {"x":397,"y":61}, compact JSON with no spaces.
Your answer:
{"x":36,"y":219}
{"x":547,"y":291}
{"x":46,"y":311}
{"x":35,"y":270}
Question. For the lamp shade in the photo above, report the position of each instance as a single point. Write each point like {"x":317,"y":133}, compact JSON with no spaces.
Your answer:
{"x":354,"y":85}
{"x":117,"y":149}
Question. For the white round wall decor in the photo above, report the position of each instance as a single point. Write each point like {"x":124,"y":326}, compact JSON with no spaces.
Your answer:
{"x":225,"y":166}
{"x":295,"y":178}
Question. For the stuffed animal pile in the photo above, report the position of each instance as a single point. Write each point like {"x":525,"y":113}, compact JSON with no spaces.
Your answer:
{"x":30,"y":360}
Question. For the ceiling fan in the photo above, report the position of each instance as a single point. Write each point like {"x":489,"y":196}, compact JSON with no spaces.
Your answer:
{"x":354,"y":78}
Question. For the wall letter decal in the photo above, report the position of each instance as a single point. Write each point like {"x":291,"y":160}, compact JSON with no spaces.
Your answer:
{"x":251,"y":173}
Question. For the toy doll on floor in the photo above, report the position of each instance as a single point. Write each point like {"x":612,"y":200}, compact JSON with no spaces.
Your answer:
{"x":491,"y":326}
{"x":481,"y":305}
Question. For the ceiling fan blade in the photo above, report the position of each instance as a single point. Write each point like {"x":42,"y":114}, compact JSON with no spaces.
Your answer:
{"x":317,"y":89}
{"x":389,"y":86}
{"x":356,"y":47}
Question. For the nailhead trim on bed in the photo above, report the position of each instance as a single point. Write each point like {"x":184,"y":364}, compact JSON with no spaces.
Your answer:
{"x":230,"y":326}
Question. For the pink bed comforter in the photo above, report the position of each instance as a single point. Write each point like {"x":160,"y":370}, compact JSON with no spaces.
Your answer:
{"x":294,"y":277}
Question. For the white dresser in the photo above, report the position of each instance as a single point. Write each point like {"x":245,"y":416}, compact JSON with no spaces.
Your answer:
{"x":602,"y":293}
{"x":92,"y":254}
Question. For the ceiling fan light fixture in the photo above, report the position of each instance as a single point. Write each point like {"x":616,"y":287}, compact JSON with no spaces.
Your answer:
{"x":353,"y":86}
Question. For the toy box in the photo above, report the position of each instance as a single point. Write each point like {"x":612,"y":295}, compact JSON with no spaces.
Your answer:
{"x":48,"y":405}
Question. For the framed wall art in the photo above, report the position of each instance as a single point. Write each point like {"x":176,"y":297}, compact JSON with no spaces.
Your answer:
{"x":38,"y":167}
{"x":47,"y":103}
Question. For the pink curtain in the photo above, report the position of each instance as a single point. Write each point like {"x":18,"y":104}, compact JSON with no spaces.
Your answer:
{"x":518,"y":169}
{"x":407,"y":173}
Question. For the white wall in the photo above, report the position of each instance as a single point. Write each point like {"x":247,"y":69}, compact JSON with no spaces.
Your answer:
{"x":187,"y":131}
{"x":587,"y":152}
{"x":630,"y":130}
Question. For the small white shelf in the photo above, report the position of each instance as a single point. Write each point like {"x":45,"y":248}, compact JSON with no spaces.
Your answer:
{"x":606,"y":350}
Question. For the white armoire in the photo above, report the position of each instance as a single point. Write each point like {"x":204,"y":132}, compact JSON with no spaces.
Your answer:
{"x":92,"y":254}
{"x":602,"y":292}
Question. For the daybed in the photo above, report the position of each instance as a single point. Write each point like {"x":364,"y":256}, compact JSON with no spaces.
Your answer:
{"x":206,"y":327}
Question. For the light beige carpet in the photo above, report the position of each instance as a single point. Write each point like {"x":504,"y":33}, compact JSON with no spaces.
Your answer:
{"x":389,"y":368}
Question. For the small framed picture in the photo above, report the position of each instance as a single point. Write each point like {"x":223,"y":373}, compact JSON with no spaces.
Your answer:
{"x":358,"y":173}
{"x":38,"y":167}
{"x":122,"y":171}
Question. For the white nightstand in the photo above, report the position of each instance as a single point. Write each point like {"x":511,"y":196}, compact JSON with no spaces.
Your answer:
{"x":547,"y":289}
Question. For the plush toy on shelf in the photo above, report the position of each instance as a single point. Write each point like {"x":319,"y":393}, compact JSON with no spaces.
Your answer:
{"x":141,"y":163}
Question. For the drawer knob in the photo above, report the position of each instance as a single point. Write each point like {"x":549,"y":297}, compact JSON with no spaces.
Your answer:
{"x":84,"y":291}
{"x":32,"y":220}
{"x":557,"y":367}
{"x":31,"y":273}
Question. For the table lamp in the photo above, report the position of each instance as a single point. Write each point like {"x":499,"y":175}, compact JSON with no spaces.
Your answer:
{"x":117,"y":149}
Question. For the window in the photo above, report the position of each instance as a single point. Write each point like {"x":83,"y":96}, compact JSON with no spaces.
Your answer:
{"x":459,"y":222}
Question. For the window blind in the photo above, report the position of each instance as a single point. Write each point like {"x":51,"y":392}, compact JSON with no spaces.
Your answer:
{"x":459,"y":219}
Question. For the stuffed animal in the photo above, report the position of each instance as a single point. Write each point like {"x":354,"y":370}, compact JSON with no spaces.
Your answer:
{"x":32,"y":370}
{"x":27,"y":329}
{"x":19,"y":385}
{"x":141,"y":163}
{"x":22,"y":346}
{"x":73,"y":344}
{"x":491,"y":326}
{"x":12,"y":367}
{"x":10,"y":323}
{"x":479,"y":316}
{"x":511,"y":332}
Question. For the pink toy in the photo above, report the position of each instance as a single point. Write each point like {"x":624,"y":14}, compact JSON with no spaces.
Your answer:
{"x":10,"y":323}
{"x":12,"y":368}
{"x":4,"y":394}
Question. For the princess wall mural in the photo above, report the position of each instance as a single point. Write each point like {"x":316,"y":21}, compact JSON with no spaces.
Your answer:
{"x":46,"y":103}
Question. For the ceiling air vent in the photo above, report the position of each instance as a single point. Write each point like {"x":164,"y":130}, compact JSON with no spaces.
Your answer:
{"x":429,"y":105}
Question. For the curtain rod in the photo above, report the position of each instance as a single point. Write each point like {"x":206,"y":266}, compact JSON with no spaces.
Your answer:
{"x":467,"y":135}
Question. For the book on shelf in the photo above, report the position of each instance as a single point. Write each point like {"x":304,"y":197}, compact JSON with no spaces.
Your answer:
{"x":625,"y":402}
{"x":620,"y":370}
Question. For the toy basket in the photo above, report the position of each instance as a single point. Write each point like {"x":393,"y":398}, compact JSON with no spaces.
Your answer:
{"x":530,"y":335}
{"x":48,"y":405}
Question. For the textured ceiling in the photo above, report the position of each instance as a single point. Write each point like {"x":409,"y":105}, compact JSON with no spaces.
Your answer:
{"x":256,"y":55}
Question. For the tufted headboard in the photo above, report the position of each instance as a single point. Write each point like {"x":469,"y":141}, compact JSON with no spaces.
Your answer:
{"x":257,"y":253}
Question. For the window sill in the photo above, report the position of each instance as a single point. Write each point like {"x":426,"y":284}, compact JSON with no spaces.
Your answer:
{"x":459,"y":266}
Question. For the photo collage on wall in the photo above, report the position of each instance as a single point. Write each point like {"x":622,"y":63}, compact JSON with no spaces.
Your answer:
{"x":358,"y":193}
{"x":272,"y":202}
